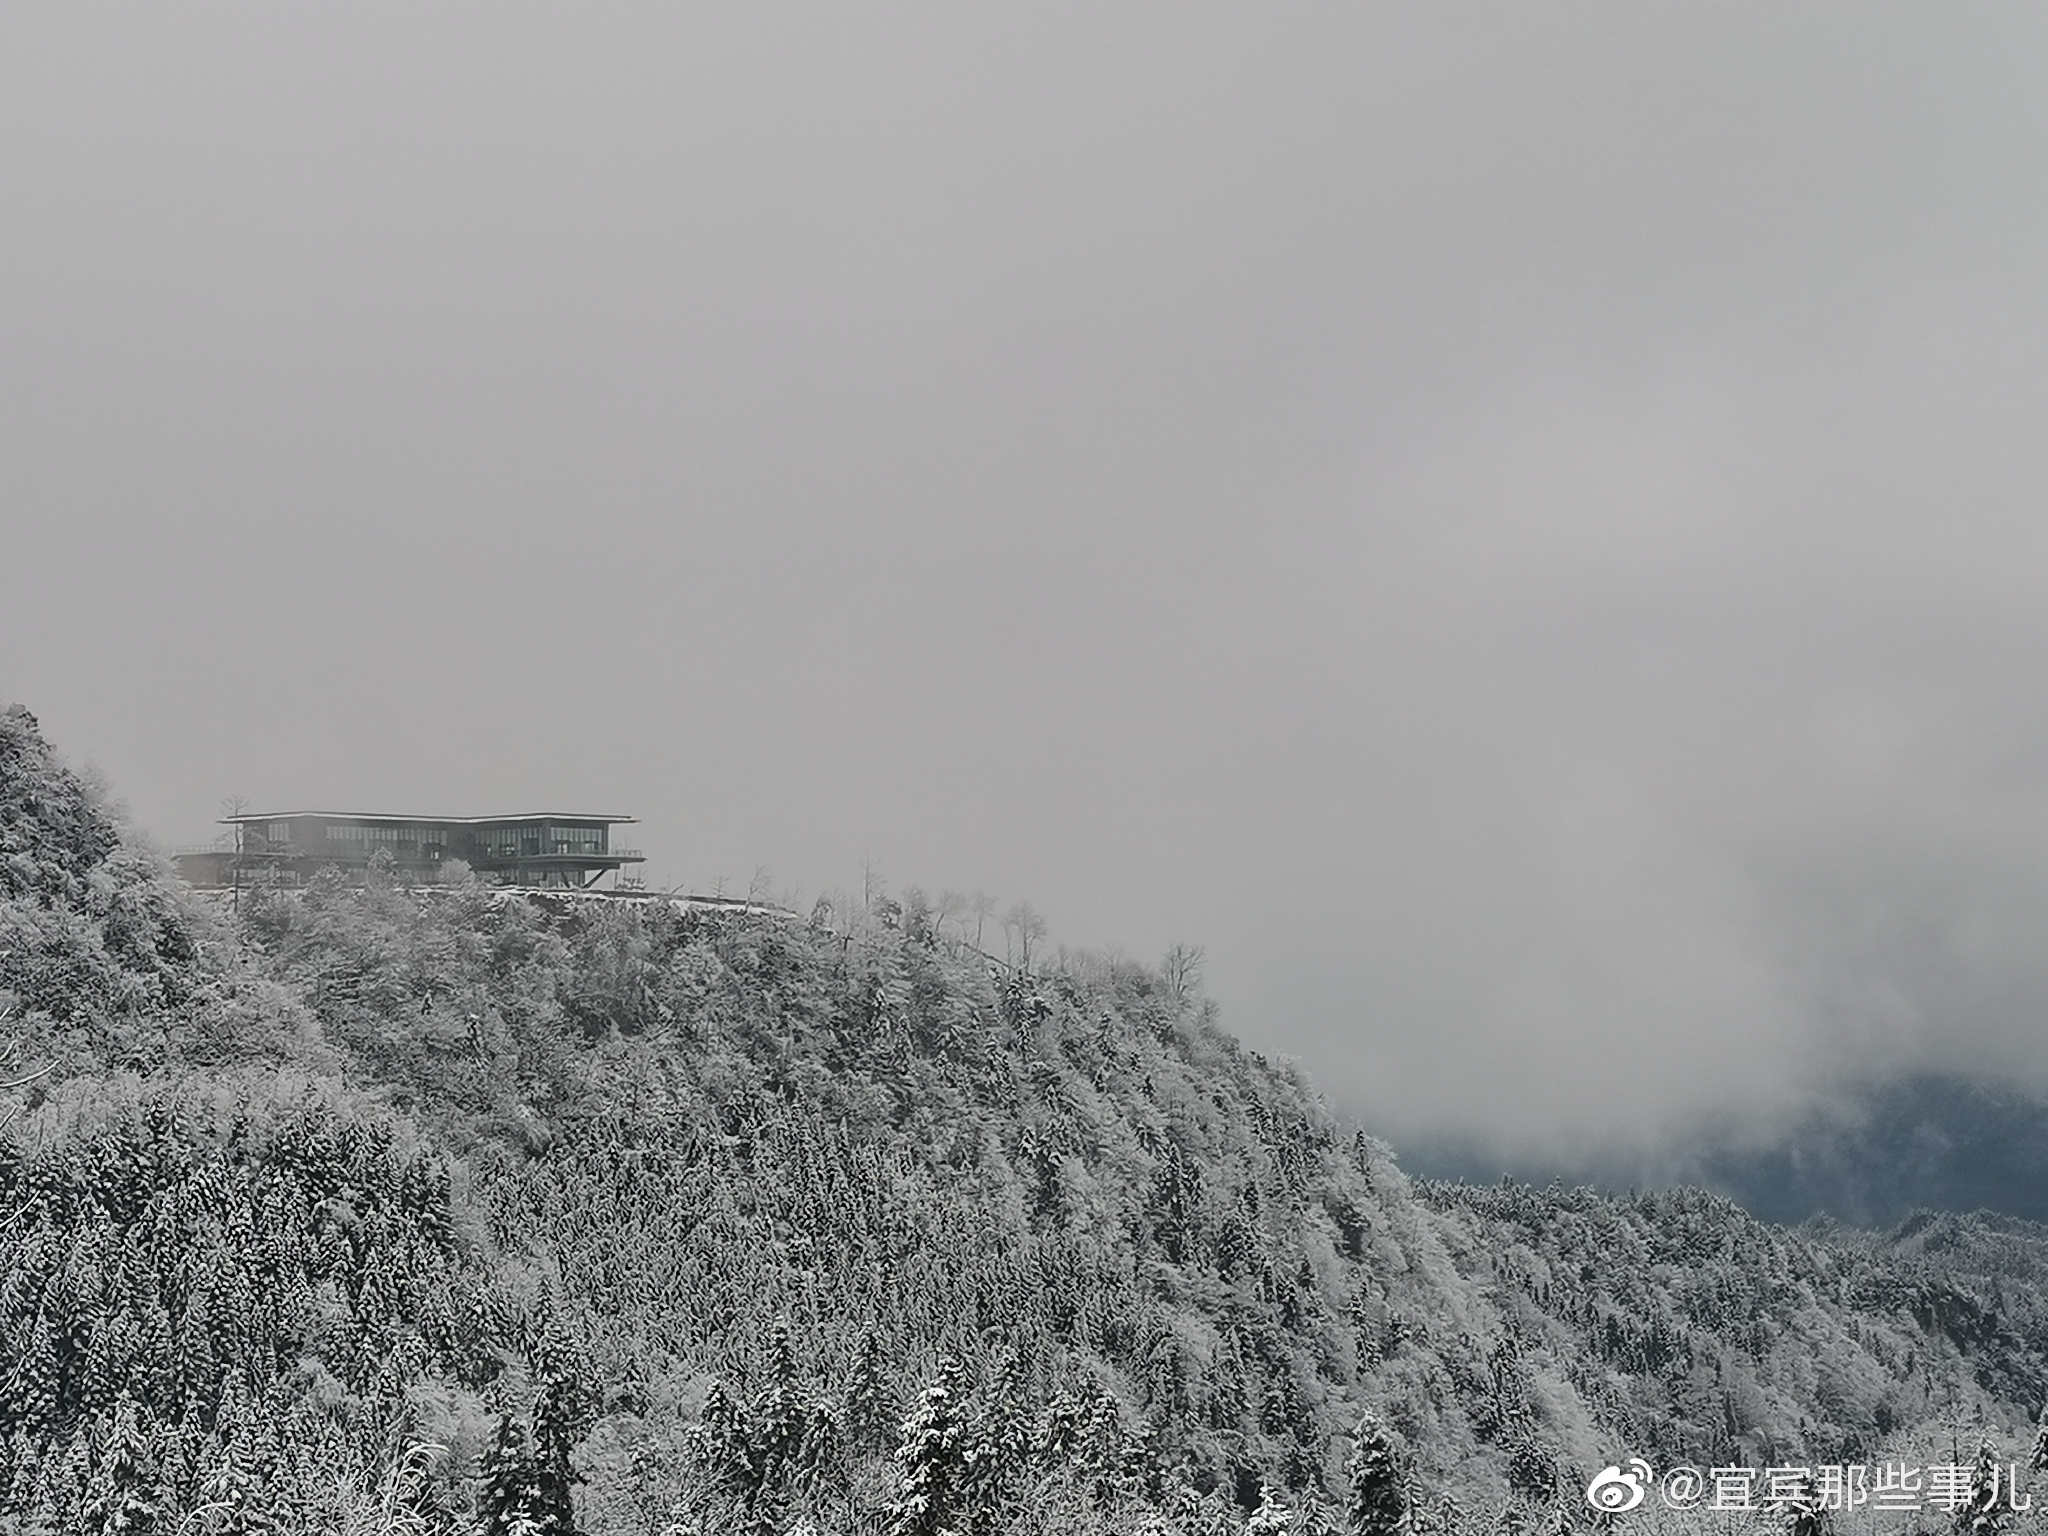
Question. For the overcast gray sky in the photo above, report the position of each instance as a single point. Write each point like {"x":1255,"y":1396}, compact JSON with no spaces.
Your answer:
{"x":1519,"y":528}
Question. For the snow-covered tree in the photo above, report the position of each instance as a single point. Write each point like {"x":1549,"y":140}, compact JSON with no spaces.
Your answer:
{"x":1378,"y":1505}
{"x":932,"y":1463}
{"x":1981,"y":1514}
{"x":1802,"y":1513}
{"x":512,"y":1503}
{"x":125,"y":1496}
{"x":1272,"y":1517}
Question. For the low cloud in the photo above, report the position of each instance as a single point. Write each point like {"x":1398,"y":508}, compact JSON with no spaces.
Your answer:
{"x":1696,"y":769}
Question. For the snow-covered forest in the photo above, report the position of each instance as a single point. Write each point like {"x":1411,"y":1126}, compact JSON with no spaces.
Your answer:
{"x":387,"y":1210}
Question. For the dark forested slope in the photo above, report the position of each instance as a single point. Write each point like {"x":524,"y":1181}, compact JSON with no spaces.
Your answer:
{"x":435,"y":1210}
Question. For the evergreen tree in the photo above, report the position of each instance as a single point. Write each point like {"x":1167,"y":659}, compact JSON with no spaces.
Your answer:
{"x":513,"y":1503}
{"x":1803,"y":1515}
{"x":1532,"y":1475}
{"x":63,"y":1485}
{"x":1103,"y":1442}
{"x":869,"y":1411}
{"x":999,"y":1443}
{"x":1061,"y":1426}
{"x":240,"y":1492}
{"x":1272,"y":1517}
{"x":125,"y":1497}
{"x":780,"y":1418}
{"x":1317,"y":1517}
{"x":555,"y":1430}
{"x":1378,"y":1505}
{"x":933,"y":1469}
{"x":1981,"y":1514}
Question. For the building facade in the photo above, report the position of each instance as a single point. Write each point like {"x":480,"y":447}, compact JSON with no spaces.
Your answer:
{"x":547,"y":849}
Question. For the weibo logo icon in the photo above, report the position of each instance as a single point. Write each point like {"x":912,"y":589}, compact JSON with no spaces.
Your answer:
{"x":1615,"y":1491}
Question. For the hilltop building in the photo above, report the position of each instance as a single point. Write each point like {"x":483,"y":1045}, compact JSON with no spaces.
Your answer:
{"x":550,"y":849}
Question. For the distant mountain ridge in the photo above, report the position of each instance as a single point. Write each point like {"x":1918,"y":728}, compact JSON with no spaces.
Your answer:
{"x":1871,"y":1158}
{"x":1926,"y":1142}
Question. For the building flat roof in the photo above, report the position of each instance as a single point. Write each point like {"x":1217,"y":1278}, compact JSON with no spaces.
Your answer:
{"x":466,"y":821}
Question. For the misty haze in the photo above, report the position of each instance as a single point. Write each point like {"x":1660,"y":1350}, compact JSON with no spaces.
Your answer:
{"x":1228,"y":695}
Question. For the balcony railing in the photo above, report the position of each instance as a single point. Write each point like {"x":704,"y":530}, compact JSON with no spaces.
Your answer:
{"x":513,"y":855}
